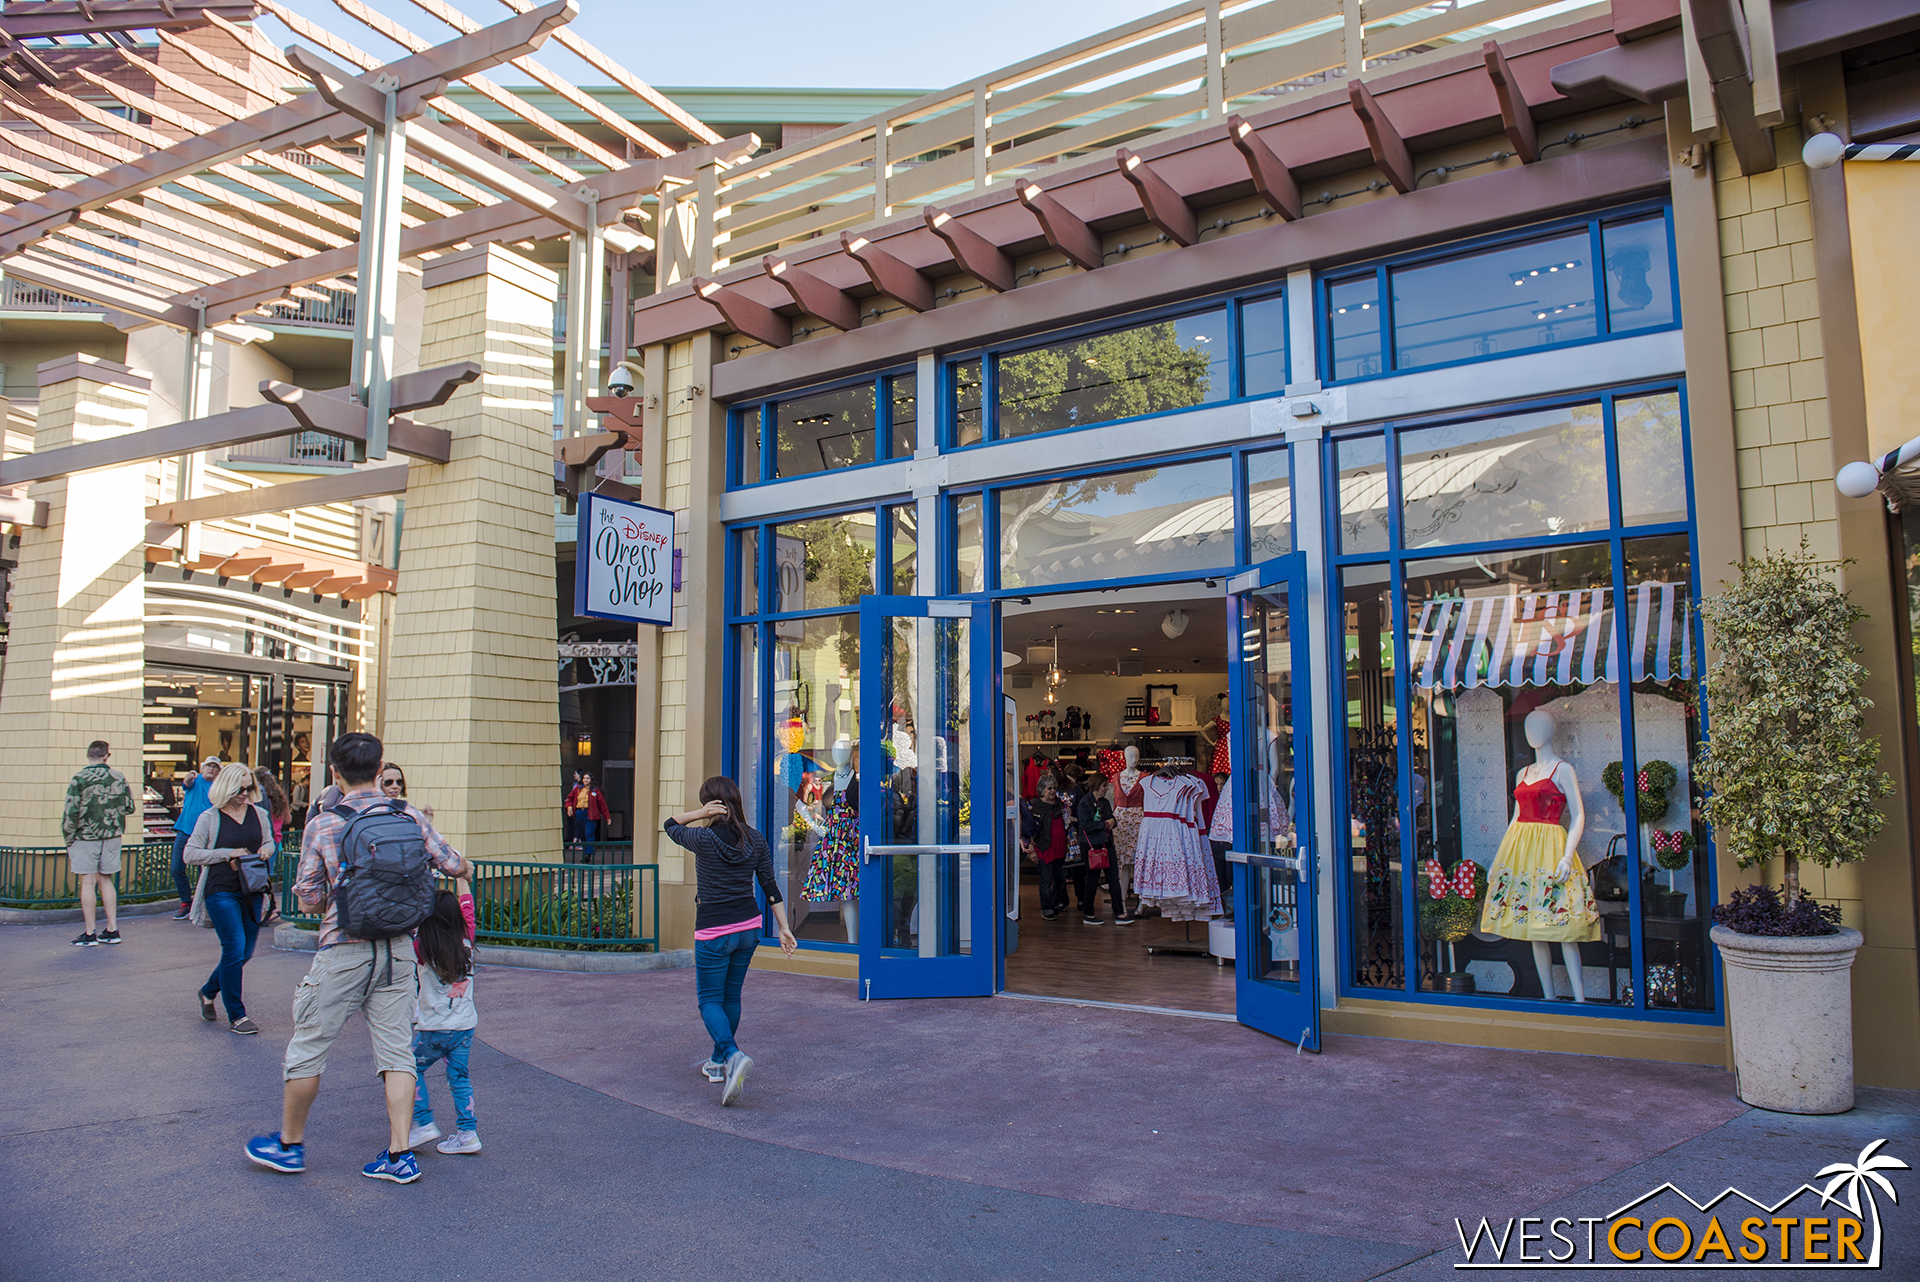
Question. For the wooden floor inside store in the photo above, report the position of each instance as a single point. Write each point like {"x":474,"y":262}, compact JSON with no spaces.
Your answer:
{"x":1065,"y":958}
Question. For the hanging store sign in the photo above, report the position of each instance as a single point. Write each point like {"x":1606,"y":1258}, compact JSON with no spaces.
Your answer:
{"x":624,"y":565}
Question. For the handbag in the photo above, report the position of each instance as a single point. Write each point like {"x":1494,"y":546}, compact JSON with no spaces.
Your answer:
{"x":1099,"y":857}
{"x":255,"y":876}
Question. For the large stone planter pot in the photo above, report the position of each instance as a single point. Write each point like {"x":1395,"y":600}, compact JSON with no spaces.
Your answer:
{"x":1790,"y":1006}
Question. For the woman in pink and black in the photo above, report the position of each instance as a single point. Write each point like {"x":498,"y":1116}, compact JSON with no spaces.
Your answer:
{"x":729,"y":857}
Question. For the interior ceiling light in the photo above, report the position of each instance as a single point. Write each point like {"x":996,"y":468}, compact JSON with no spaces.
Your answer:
{"x":1174,"y":624}
{"x":1055,"y":677}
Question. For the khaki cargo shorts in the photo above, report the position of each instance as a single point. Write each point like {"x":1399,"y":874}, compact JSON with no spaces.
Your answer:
{"x":95,"y":856}
{"x":344,"y":979}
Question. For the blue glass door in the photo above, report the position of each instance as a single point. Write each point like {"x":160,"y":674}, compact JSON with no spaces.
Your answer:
{"x":1276,"y":983}
{"x":928,"y":784}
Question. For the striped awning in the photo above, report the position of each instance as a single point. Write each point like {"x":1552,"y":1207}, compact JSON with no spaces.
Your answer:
{"x":1552,"y":638}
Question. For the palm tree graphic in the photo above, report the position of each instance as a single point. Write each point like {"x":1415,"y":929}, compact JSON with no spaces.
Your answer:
{"x":1860,"y":1176}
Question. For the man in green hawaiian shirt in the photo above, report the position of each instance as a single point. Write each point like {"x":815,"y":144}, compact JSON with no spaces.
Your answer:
{"x":98,"y":803}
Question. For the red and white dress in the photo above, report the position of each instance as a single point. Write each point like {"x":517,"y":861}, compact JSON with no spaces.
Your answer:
{"x":1173,"y":863}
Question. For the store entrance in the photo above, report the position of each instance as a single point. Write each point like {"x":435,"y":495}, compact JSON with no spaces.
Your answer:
{"x":1088,"y":677}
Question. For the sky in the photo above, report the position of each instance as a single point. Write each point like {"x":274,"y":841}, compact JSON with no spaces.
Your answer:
{"x":913,"y":44}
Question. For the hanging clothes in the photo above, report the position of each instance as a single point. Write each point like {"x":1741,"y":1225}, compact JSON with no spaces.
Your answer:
{"x":1524,"y":898}
{"x":1030,"y":777}
{"x":1127,"y":800}
{"x":1112,"y":762}
{"x":1222,"y":755}
{"x":1173,"y":864}
{"x":833,"y":874}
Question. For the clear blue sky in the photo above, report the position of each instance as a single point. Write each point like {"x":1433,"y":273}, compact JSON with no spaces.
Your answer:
{"x":914,"y":45}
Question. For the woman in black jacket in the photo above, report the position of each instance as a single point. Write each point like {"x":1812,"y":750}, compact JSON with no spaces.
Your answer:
{"x":729,"y":857}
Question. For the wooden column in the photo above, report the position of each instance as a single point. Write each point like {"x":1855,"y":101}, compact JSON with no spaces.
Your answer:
{"x":472,"y":708}
{"x":75,"y":656}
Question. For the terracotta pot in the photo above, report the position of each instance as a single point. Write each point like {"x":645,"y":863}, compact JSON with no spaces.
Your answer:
{"x":1790,"y":1007}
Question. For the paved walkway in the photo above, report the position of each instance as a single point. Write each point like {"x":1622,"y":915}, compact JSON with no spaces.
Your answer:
{"x":965,"y":1139}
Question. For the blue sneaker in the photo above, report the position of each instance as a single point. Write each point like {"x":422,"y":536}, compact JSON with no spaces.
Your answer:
{"x":268,"y":1151}
{"x":404,"y":1169}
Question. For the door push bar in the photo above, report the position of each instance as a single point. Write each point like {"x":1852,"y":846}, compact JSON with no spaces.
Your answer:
{"x":887,"y":852}
{"x":1300,"y":862}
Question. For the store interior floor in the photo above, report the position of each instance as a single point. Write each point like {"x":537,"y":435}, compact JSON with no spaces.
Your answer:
{"x":1067,"y":958}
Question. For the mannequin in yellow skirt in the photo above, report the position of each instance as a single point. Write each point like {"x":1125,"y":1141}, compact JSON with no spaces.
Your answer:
{"x":1537,"y":888}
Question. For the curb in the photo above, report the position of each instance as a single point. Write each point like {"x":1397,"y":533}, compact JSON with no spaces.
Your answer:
{"x":295,"y":940}
{"x":53,"y":916}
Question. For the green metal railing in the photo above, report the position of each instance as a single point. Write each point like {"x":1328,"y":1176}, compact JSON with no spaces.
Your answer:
{"x":540,"y":905}
{"x":41,"y":877}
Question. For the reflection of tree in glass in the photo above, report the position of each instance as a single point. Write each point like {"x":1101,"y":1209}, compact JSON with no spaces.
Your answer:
{"x":1096,"y":380}
{"x":834,"y":429}
{"x":1020,"y":508}
{"x":1653,"y":474}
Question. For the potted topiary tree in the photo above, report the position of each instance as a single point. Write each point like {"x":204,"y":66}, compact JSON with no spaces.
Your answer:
{"x":1790,"y":774}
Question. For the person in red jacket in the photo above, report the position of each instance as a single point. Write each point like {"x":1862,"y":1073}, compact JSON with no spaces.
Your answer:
{"x":589,"y":806}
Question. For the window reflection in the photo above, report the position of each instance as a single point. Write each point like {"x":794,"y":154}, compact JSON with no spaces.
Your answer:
{"x":1354,"y":321}
{"x":903,"y":532}
{"x":825,"y":562}
{"x":969,"y":545}
{"x":902,"y":415}
{"x":1639,"y":274}
{"x":816,"y":765}
{"x":1263,"y":346}
{"x":969,"y":392}
{"x":1372,"y":865}
{"x":1120,"y":525}
{"x":1147,"y":369}
{"x":746,"y":545}
{"x":747,"y":445}
{"x":1508,"y":299}
{"x":1269,"y":505}
{"x":819,"y":433}
{"x":1363,"y":493}
{"x":1653,"y":464}
{"x":1503,"y":478}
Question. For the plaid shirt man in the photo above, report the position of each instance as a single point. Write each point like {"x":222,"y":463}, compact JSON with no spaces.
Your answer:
{"x":320,"y":857}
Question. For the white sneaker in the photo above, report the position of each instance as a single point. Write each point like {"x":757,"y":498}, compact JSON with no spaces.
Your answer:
{"x":460,"y":1142}
{"x":715,"y":1071}
{"x":422,"y":1134}
{"x":738,"y":1065}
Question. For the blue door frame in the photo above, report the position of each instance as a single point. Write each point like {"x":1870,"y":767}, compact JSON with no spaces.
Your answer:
{"x":929,"y":925}
{"x":1273,"y":878}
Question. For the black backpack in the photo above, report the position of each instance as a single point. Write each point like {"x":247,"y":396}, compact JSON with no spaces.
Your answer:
{"x":385,"y":888}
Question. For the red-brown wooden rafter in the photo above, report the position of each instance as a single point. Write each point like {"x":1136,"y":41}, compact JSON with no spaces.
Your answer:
{"x":1272,"y":180}
{"x":975,"y":255}
{"x":812,"y":295}
{"x":747,"y":315}
{"x":1063,"y":228}
{"x":1388,"y":147}
{"x":1515,"y":116}
{"x":889,"y":274}
{"x":1164,"y":207}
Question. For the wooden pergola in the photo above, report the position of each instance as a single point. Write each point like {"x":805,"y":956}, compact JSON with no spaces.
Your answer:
{"x":203,"y":217}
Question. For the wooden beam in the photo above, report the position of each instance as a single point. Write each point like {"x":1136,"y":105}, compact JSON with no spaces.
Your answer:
{"x":159,"y":555}
{"x":335,"y":584}
{"x":277,"y":573}
{"x":1063,"y":229}
{"x":1164,"y":207}
{"x":890,"y":275}
{"x":26,"y":21}
{"x":239,"y":567}
{"x":336,"y":414}
{"x":306,"y":579}
{"x":1272,"y":180}
{"x":96,"y":288}
{"x":341,"y":488}
{"x":1515,"y":116}
{"x":1720,"y":31}
{"x":627,"y":411}
{"x":235,"y":427}
{"x":362,"y":590}
{"x":1388,"y":147}
{"x":814,"y":296}
{"x":429,"y":388}
{"x":747,"y":316}
{"x":977,"y":256}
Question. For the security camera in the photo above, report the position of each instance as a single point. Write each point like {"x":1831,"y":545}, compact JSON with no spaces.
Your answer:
{"x":624,"y":378}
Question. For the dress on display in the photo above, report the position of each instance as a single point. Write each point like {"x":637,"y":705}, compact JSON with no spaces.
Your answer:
{"x":1173,"y":864}
{"x":1222,"y":756}
{"x":1524,"y":899}
{"x":1127,"y":800}
{"x":834,"y":872}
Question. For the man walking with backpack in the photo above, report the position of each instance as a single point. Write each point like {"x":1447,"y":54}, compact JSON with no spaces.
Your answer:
{"x":370,"y":860}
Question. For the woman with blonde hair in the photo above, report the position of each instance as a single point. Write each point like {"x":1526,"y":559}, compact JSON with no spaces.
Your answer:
{"x":231,"y":843}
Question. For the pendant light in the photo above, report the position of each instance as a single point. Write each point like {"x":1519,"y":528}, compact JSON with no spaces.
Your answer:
{"x":1055,"y":677}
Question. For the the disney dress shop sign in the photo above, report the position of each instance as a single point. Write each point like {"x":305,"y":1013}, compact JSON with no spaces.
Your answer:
{"x":624,"y":564}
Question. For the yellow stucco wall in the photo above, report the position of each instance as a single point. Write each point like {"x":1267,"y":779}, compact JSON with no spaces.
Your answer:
{"x":1886,"y":280}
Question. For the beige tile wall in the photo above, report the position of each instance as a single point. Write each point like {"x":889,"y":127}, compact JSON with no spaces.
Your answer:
{"x":472,"y":689}
{"x":75,"y":651}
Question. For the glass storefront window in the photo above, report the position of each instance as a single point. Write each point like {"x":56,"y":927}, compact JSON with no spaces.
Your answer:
{"x":1263,"y":346}
{"x":1147,"y":369}
{"x":750,"y":721}
{"x":1121,"y":525}
{"x":1674,"y":889}
{"x":1372,"y":865}
{"x":824,"y":562}
{"x":1653,"y":464}
{"x":902,"y":416}
{"x":1354,"y":323}
{"x":1362,"y":461}
{"x":270,"y":722}
{"x":1269,"y":505}
{"x":969,"y":545}
{"x":746,"y":443}
{"x":746,"y":550}
{"x":969,"y":395}
{"x":1490,"y":640}
{"x":903,"y":532}
{"x":815,"y":783}
{"x":1504,"y":478}
{"x":820,"y":433}
{"x":1639,"y":274}
{"x":1511,"y":298}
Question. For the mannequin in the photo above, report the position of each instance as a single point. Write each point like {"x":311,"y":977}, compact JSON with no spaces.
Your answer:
{"x":1537,"y":888}
{"x":834,"y":872}
{"x":1127,"y":802}
{"x":1217,"y":752}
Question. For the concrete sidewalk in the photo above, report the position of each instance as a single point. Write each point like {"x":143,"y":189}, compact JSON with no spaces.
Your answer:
{"x":967,"y":1139}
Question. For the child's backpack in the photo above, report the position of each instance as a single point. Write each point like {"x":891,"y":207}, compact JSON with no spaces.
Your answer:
{"x":385,"y":888}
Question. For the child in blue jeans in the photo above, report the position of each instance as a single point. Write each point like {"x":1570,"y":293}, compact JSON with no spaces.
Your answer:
{"x":444,"y":1017}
